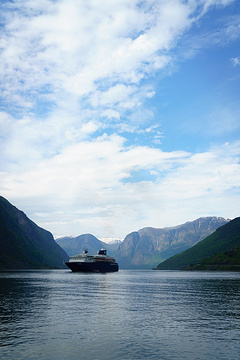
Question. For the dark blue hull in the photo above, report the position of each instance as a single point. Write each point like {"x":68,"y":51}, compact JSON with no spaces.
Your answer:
{"x":92,"y":266}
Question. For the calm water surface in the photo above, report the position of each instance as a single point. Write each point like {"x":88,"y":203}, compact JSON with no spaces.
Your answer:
{"x":59,"y":315}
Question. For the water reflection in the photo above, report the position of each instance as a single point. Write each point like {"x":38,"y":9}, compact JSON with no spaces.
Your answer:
{"x":128,"y":315}
{"x":22,"y":302}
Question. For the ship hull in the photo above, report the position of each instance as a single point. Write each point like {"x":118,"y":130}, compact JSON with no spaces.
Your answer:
{"x":92,"y":266}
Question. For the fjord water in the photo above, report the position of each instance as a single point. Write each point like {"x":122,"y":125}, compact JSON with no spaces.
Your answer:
{"x":58,"y":315}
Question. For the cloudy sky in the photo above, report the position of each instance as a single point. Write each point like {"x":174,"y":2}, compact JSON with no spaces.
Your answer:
{"x":120,"y":114}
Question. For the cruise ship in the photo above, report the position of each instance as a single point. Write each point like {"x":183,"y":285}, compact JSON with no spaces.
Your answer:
{"x":101,"y":262}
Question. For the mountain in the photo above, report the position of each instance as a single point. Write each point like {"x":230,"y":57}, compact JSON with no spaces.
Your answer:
{"x":23,"y":244}
{"x":149,"y":246}
{"x":227,"y":261}
{"x":76,"y":245}
{"x":219,"y":251}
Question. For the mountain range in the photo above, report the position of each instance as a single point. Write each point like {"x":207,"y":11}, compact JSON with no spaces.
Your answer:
{"x":23,"y":244}
{"x":147,"y":247}
{"x":218,"y":251}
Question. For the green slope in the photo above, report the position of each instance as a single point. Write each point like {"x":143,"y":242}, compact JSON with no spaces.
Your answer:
{"x":224,"y":239}
{"x":229,"y":260}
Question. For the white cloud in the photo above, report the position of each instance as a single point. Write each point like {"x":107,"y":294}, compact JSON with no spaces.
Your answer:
{"x":236,"y":61}
{"x":114,"y":95}
{"x":96,"y":53}
{"x":208,"y":3}
{"x":71,"y":46}
{"x":72,"y":69}
{"x":91,"y":184}
{"x":111,"y":114}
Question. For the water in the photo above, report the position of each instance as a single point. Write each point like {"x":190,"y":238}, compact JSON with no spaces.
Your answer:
{"x":129,"y":315}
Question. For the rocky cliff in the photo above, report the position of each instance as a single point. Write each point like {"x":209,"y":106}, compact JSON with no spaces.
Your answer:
{"x":148,"y":247}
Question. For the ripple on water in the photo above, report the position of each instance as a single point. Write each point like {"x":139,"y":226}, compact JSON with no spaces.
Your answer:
{"x":126,"y":315}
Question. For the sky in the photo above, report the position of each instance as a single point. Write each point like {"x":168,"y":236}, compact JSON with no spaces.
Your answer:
{"x":120,"y":114}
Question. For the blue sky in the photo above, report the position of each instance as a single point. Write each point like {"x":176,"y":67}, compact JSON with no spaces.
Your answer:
{"x":116,"y":115}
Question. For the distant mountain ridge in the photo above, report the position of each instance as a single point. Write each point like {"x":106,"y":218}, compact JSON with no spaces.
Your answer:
{"x":76,"y":245}
{"x":147,"y":247}
{"x":23,"y":244}
{"x":218,"y":251}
